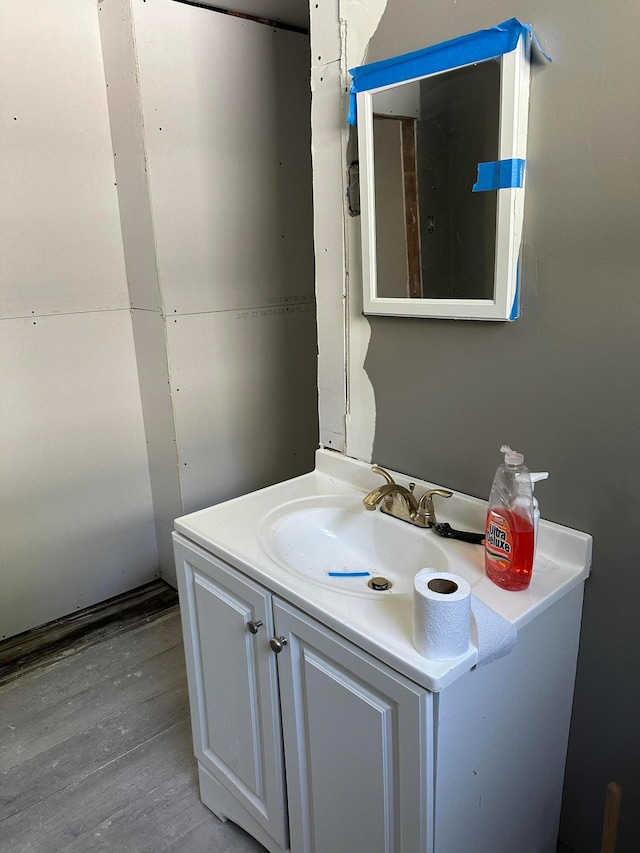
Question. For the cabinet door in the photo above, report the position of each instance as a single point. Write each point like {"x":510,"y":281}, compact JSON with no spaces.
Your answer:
{"x":358,"y":746}
{"x":233,"y":684}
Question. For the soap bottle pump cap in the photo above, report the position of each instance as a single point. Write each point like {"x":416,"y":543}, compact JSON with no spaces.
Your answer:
{"x":539,"y":475}
{"x":512,"y":457}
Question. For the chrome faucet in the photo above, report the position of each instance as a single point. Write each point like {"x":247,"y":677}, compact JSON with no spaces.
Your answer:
{"x":401,"y":503}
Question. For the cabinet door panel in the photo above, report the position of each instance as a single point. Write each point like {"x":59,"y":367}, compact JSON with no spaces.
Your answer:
{"x":232,"y":735}
{"x":346,"y":721}
{"x":233,"y":684}
{"x":357,"y":745}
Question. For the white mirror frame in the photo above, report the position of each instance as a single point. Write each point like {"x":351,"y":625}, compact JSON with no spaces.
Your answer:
{"x":514,"y":110}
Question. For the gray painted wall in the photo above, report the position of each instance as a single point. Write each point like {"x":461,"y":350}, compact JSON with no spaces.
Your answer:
{"x":560,"y":384}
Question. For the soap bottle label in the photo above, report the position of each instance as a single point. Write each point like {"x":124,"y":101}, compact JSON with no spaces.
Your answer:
{"x":498,"y":541}
{"x":508,"y":550}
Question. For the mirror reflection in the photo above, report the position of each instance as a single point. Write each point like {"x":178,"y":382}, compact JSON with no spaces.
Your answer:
{"x":435,"y":237}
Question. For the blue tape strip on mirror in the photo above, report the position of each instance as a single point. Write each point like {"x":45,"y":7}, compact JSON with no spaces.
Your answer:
{"x":465,"y":50}
{"x":499,"y":175}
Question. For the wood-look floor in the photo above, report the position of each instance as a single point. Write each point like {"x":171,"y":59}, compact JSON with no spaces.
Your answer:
{"x":96,"y":752}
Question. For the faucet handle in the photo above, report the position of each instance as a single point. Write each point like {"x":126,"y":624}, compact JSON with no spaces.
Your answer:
{"x":427,"y":498}
{"x":377,"y":470}
{"x":385,"y":474}
{"x":425,"y":505}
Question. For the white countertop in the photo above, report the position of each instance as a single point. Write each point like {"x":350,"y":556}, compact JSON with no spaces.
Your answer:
{"x":381,"y":623}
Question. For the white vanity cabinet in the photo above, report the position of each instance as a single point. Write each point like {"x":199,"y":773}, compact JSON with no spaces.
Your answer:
{"x":357,"y":736}
{"x":343,"y":738}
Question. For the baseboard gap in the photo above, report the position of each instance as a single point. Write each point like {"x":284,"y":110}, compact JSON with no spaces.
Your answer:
{"x":67,"y":636}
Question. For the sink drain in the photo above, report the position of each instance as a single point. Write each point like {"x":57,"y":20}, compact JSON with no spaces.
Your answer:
{"x":380,"y":583}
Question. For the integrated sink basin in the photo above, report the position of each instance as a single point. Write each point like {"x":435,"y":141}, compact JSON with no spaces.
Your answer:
{"x":285,"y":539}
{"x":334,"y":541}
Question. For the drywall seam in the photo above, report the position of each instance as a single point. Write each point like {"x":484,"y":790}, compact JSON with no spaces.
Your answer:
{"x":34,"y":314}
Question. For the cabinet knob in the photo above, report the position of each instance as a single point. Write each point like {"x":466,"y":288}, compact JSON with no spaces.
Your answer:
{"x":278,"y":644}
{"x":254,"y":626}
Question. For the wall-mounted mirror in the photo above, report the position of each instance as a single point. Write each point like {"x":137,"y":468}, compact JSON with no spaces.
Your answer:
{"x":442,"y":146}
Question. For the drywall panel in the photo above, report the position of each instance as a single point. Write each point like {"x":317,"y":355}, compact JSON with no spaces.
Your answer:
{"x":164,"y":541}
{"x":157,"y":408}
{"x":129,"y":155}
{"x":325,"y":32}
{"x":76,"y":522}
{"x":244,"y":394}
{"x":340,"y":32}
{"x":60,"y":232}
{"x":226,"y":113}
{"x":328,"y":198}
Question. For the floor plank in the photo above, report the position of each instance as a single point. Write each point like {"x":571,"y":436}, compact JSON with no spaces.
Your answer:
{"x":22,"y":739}
{"x":91,"y":800}
{"x":54,"y":769}
{"x":96,"y":752}
{"x":167,"y":818}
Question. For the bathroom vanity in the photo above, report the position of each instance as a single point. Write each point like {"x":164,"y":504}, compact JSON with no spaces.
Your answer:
{"x":317,"y":725}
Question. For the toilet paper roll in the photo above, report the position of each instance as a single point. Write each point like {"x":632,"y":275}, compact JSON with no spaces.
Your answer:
{"x":441,"y":614}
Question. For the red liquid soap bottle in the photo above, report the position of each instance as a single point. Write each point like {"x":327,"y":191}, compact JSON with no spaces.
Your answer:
{"x":509,"y":539}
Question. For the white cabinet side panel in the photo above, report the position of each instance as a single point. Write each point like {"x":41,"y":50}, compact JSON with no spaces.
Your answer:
{"x":226,"y":106}
{"x":502,"y":740}
{"x":76,"y":521}
{"x":243,"y":385}
{"x":60,"y":240}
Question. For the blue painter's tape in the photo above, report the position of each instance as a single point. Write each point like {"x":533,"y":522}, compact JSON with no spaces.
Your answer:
{"x":352,"y":118}
{"x":348,"y":574}
{"x":499,"y":175}
{"x":465,"y":50}
{"x":515,"y":308}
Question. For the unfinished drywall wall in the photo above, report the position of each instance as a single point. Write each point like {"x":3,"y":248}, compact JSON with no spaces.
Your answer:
{"x":339,"y":37}
{"x":326,"y":135}
{"x":76,"y":521}
{"x":560,"y":382}
{"x":210,"y":119}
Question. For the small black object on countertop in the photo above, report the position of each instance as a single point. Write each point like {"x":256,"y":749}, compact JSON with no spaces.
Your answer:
{"x":446,"y":530}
